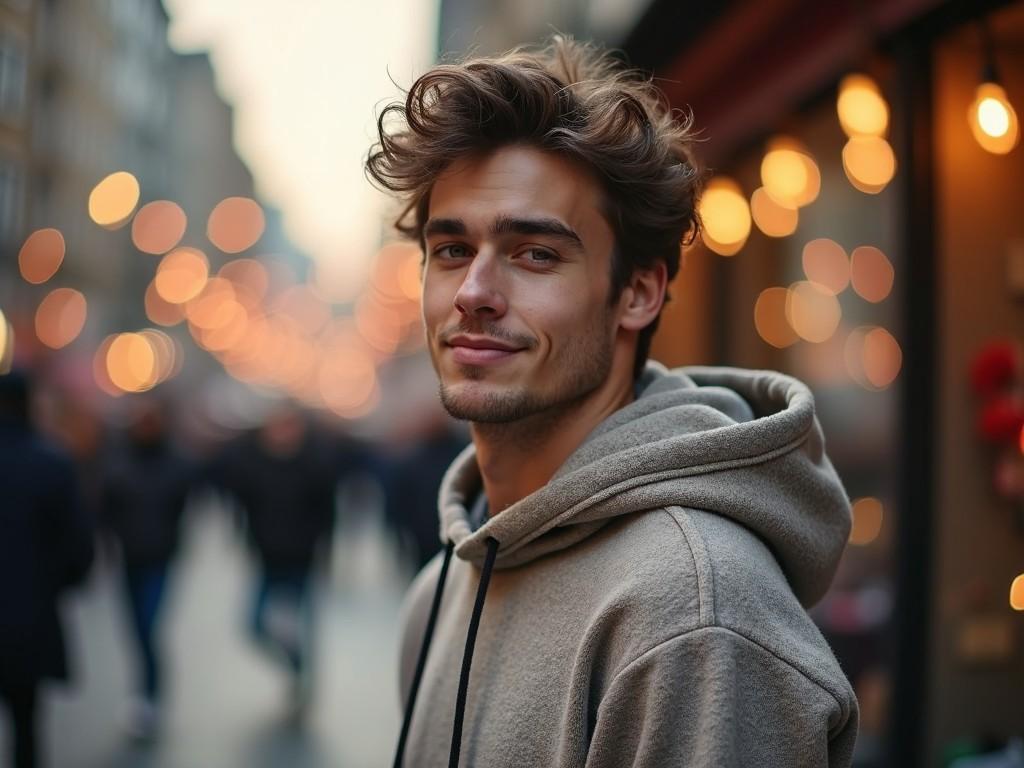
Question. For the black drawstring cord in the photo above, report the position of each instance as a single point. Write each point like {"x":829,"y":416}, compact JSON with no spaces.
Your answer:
{"x":467,"y":657}
{"x":421,"y":662}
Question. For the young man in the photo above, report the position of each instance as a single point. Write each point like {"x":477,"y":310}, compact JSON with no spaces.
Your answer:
{"x":634,"y":548}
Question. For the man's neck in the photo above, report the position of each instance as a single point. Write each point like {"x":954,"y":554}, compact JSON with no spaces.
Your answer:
{"x":517,"y":458}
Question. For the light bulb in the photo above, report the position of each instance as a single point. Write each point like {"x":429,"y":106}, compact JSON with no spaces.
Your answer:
{"x":993,"y":120}
{"x":862,"y":109}
{"x":725,"y":215}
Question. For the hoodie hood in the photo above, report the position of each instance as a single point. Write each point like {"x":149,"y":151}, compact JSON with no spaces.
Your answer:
{"x":742,"y":444}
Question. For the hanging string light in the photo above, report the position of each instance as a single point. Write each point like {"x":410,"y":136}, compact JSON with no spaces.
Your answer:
{"x":992,"y":118}
{"x":725,"y":215}
{"x":789,"y":174}
{"x":868,"y":159}
{"x":862,"y":109}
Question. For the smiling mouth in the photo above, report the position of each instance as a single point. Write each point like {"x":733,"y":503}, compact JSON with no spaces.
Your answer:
{"x":469,"y":350}
{"x":478,"y":356}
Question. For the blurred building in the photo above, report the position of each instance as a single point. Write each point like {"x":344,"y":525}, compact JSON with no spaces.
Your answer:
{"x":207,"y":168}
{"x":901,"y":263}
{"x":16,"y":33}
{"x":85,"y":90}
{"x":88,"y":90}
{"x":102,"y":90}
{"x":497,"y":25}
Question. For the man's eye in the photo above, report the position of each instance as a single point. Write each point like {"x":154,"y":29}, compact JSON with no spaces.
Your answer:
{"x":539,"y":256}
{"x":453,"y":251}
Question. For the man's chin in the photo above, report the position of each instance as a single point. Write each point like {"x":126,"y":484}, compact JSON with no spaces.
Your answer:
{"x":485,"y":403}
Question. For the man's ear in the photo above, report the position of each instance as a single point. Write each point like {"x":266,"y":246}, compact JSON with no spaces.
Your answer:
{"x":643,"y":297}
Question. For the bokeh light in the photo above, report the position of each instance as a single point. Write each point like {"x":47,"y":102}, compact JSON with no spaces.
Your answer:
{"x":235,"y":224}
{"x":6,"y":344}
{"x":131,"y":362}
{"x":789,"y":174}
{"x":410,"y":277}
{"x":883,"y":358}
{"x":99,"y":368}
{"x":158,"y":227}
{"x":112,"y":201}
{"x":392,"y":269}
{"x":230,"y":331}
{"x":873,"y":357}
{"x":229,"y":327}
{"x":725,"y":215}
{"x":242,"y":358}
{"x":60,"y":317}
{"x":825,"y":263}
{"x":993,"y":119}
{"x":41,"y":255}
{"x":871,"y":273}
{"x":1017,"y":593}
{"x":869,"y":163}
{"x":379,"y":325}
{"x":868,"y":514}
{"x":160,"y":311}
{"x":812,"y":311}
{"x":347,"y":380}
{"x":181,"y":275}
{"x":770,"y":318}
{"x":167,"y":354}
{"x":250,"y":279}
{"x":771,"y":218}
{"x":853,"y":354}
{"x":302,"y":304}
{"x":214,"y":307}
{"x":862,"y":109}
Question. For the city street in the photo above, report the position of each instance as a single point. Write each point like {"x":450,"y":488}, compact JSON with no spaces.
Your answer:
{"x":227,"y":704}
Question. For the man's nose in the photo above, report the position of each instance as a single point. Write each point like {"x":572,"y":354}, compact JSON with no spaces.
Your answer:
{"x":481,"y":292}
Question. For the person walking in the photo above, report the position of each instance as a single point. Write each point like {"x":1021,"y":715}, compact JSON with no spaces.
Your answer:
{"x":145,"y":487}
{"x":283,"y":482}
{"x":46,"y":547}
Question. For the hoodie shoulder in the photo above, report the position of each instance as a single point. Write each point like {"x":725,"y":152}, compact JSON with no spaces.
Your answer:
{"x":748,"y":594}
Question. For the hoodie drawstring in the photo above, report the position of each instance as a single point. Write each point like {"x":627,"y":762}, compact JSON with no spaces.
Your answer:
{"x":467,"y":657}
{"x":421,"y":662}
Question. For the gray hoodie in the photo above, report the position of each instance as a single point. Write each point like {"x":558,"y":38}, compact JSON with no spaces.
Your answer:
{"x":647,"y":606}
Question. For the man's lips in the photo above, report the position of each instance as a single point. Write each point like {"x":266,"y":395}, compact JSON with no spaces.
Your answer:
{"x":480,"y":350}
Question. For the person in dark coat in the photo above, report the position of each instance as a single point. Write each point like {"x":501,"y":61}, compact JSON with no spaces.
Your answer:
{"x":411,"y":482}
{"x":283,"y":480}
{"x":145,"y":487}
{"x":46,"y":546}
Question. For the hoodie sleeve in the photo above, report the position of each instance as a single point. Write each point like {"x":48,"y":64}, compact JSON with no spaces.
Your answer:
{"x":714,"y":698}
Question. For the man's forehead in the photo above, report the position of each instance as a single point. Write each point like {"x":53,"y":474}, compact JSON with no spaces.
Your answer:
{"x":515,"y":182}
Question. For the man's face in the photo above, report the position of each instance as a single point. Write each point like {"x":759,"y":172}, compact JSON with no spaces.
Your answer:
{"x":516,"y":285}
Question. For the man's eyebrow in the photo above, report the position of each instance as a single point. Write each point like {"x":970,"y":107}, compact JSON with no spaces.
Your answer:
{"x":535,"y":226}
{"x":507,"y":225}
{"x":444,"y":227}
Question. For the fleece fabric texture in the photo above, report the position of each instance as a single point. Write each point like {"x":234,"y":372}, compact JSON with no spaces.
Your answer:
{"x":647,"y":606}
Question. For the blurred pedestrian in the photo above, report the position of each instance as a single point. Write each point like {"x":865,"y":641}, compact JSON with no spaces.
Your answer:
{"x":283,"y":480}
{"x":411,"y":481}
{"x":145,"y":486}
{"x":46,"y":546}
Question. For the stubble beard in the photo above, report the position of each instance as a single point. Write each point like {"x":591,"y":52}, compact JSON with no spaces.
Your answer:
{"x":584,"y":368}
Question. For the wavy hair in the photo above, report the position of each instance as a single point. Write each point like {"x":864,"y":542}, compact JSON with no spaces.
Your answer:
{"x":568,"y":98}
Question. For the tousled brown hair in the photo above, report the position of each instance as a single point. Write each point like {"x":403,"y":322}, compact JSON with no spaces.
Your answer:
{"x":568,"y":98}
